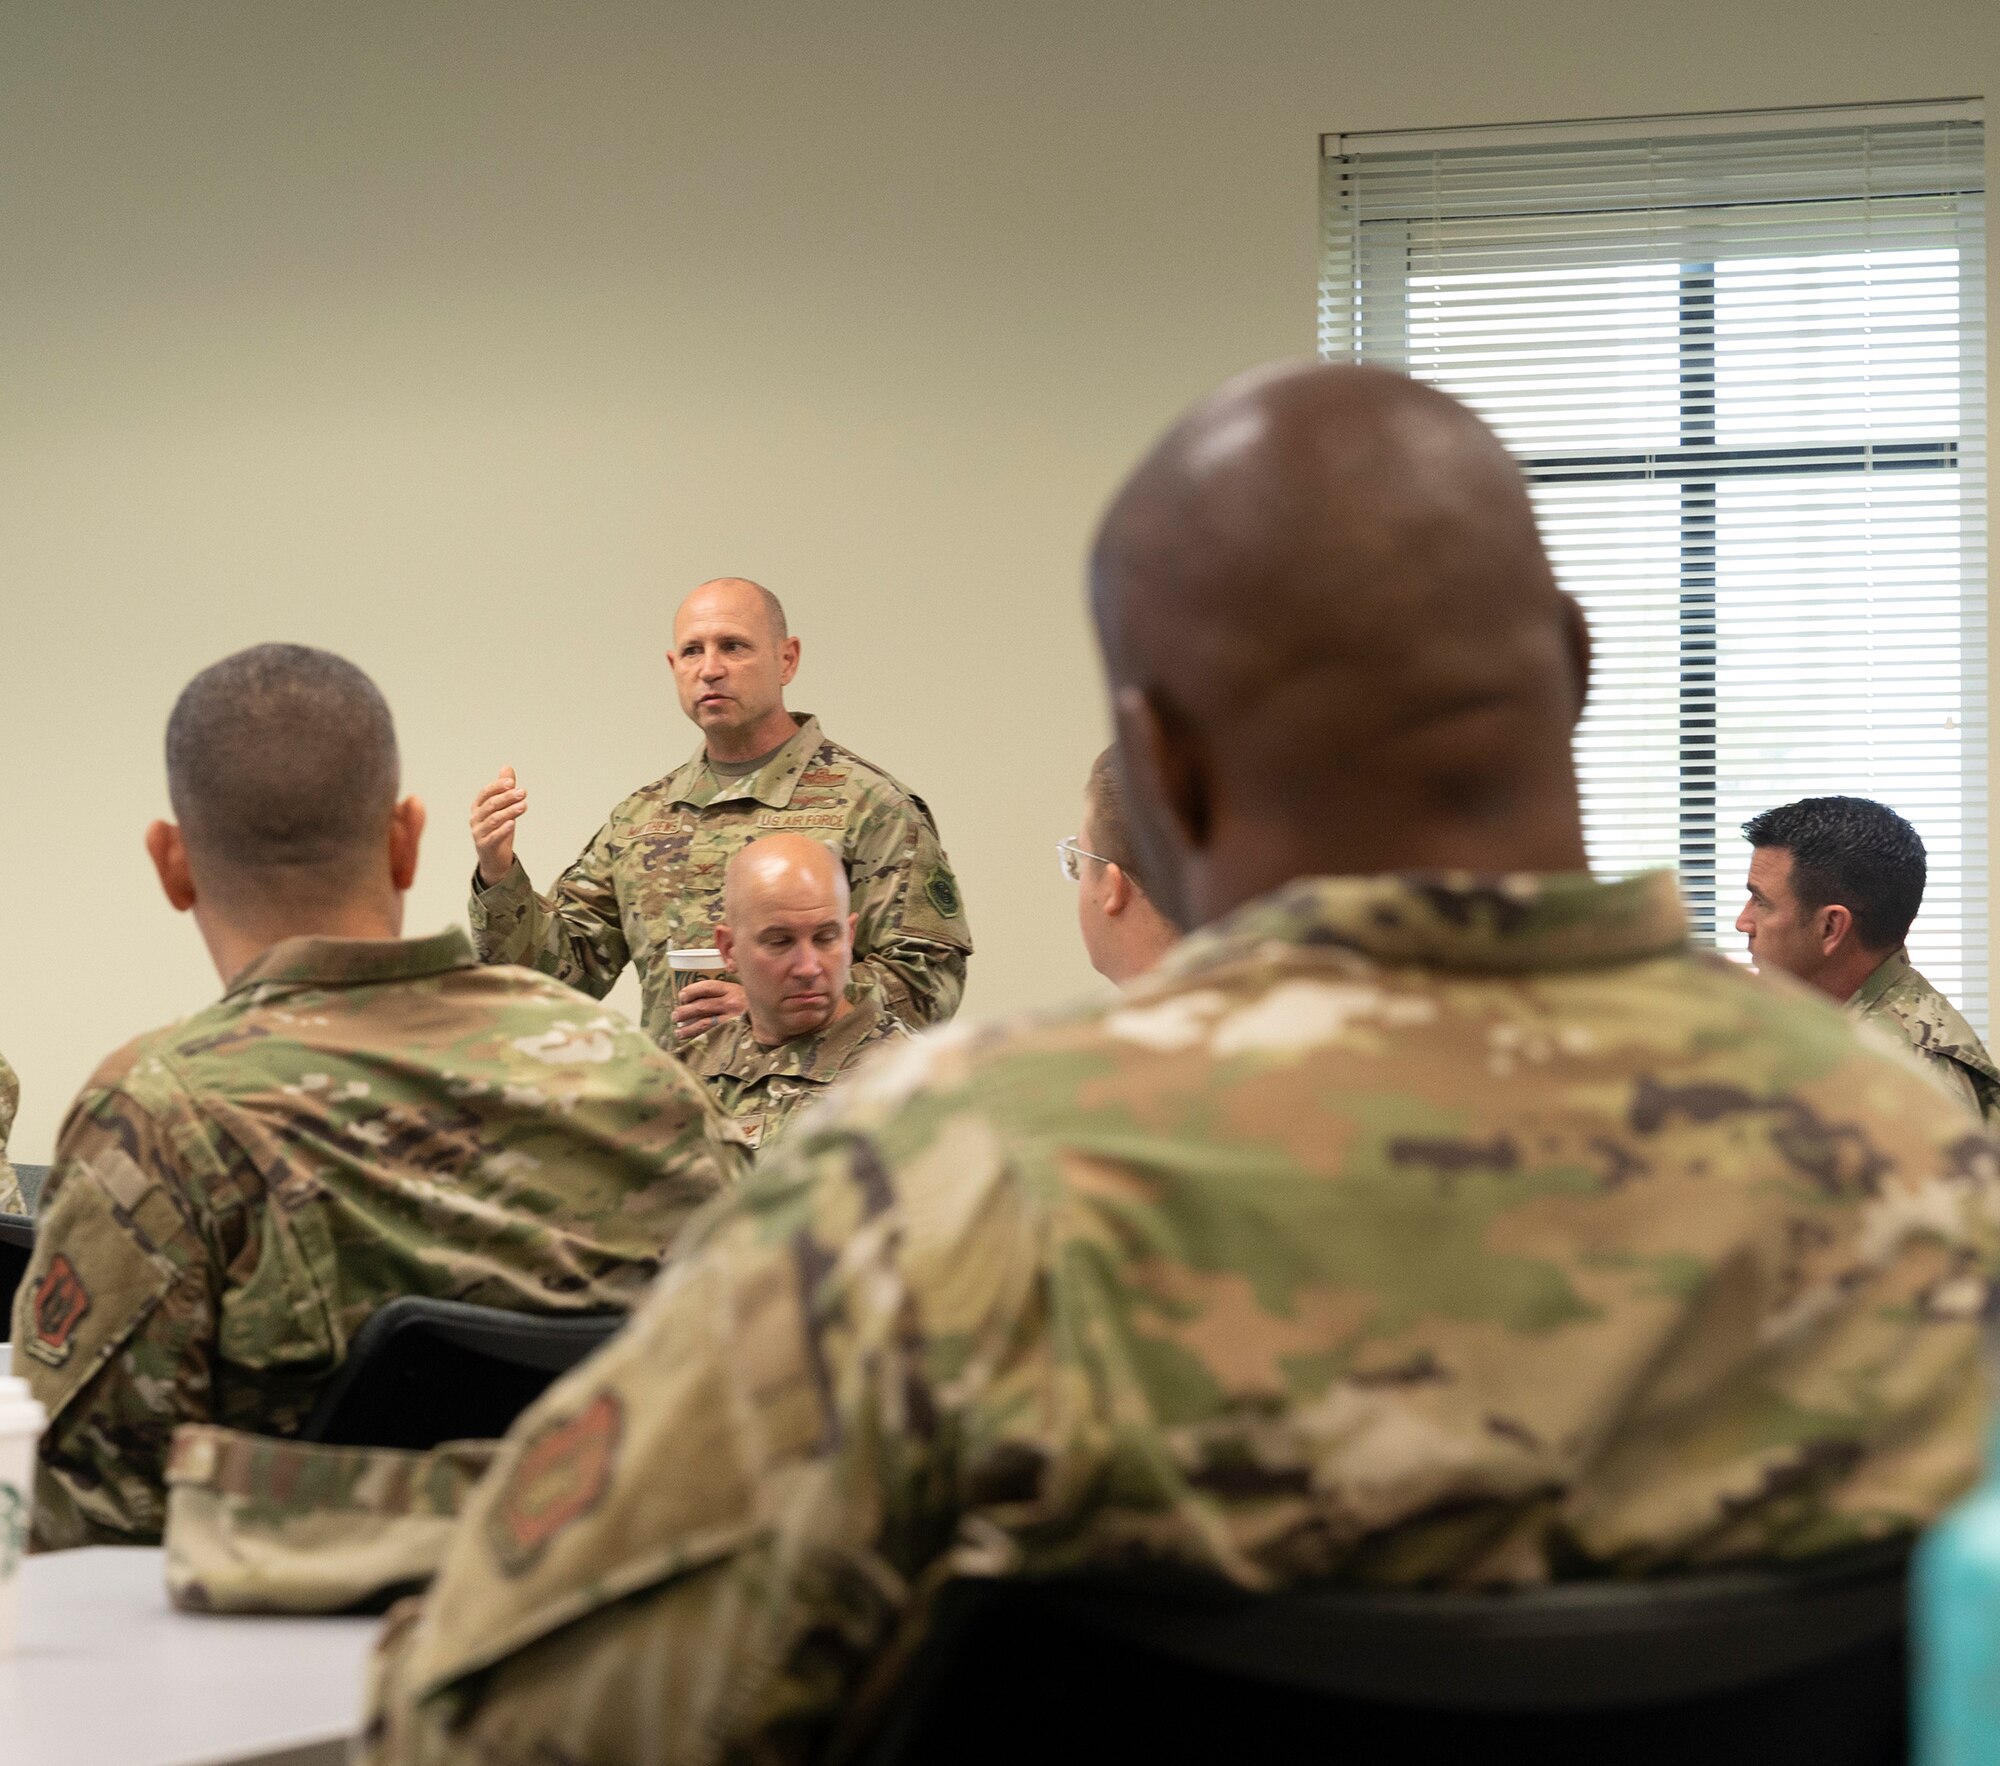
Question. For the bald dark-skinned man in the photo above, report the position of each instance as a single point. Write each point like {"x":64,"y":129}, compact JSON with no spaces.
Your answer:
{"x":650,"y":881}
{"x":1432,"y":1214}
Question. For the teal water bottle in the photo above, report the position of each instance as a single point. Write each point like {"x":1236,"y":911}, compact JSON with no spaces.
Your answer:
{"x":1955,"y":1630}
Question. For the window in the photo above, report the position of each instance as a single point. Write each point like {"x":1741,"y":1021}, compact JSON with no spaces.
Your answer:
{"x":1741,"y":360}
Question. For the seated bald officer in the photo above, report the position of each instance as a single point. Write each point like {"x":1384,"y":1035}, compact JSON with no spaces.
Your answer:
{"x":787,"y":930}
{"x":1835,"y":884}
{"x":651,"y":879}
{"x":359,"y":1116}
{"x":1123,"y":930}
{"x":1433,"y":1214}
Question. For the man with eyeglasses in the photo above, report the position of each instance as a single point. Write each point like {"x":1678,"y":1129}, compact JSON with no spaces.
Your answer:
{"x":787,"y":931}
{"x":1433,"y":1215}
{"x":1123,"y":931}
{"x":648,"y":888}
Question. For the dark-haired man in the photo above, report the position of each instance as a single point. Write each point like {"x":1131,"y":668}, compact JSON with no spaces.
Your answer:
{"x":360,"y":1116}
{"x":1123,"y":931}
{"x":650,"y":881}
{"x":788,"y":930}
{"x":1433,"y":1215}
{"x":1835,"y":884}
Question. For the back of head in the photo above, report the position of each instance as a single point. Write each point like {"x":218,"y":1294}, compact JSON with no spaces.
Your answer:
{"x":1327,"y":581}
{"x":1852,"y":852}
{"x":282,"y":768}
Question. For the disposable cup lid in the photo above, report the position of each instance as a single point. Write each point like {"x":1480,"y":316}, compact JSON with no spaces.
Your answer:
{"x":19,"y":1410}
{"x":695,"y":957}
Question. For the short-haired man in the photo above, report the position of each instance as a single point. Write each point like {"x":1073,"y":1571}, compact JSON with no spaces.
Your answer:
{"x":1835,"y":884}
{"x":788,"y":930}
{"x":1124,"y":933}
{"x":650,"y":881}
{"x":1433,"y":1215}
{"x":360,"y":1116}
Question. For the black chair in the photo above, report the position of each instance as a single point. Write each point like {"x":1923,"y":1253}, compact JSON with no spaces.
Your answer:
{"x":423,"y":1371}
{"x":31,"y":1177}
{"x":17,"y":1245}
{"x":1776,"y":1666}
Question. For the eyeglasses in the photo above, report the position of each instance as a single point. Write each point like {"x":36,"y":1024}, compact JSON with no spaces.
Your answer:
{"x":1070,"y":856}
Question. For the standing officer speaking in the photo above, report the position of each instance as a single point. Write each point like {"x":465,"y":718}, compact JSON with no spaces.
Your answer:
{"x":650,"y":882}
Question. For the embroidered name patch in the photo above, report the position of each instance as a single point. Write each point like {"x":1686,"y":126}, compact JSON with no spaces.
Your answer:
{"x":59,"y":1304}
{"x":562,"y":1474}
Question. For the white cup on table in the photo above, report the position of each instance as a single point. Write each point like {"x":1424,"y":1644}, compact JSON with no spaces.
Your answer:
{"x":21,"y":1422}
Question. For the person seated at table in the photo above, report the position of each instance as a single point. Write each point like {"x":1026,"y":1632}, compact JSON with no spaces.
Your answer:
{"x":360,"y":1116}
{"x":1834,"y":887}
{"x":1124,"y":932}
{"x":1434,"y":1214}
{"x":11,"y":1199}
{"x":788,"y":933}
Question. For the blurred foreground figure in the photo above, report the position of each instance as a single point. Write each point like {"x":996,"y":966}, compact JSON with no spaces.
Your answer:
{"x":1835,"y":884}
{"x":1433,"y":1214}
{"x":788,"y":932}
{"x":359,"y":1116}
{"x":1123,"y":930}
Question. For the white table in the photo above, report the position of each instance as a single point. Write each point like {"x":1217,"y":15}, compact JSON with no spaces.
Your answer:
{"x":109,"y":1675}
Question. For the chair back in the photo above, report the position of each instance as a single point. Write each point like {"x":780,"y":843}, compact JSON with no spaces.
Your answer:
{"x":421,"y":1371}
{"x":1771,"y":1666}
{"x":17,"y":1245}
{"x":31,"y":1178}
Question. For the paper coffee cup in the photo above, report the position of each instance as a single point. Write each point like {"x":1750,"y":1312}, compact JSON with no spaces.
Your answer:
{"x":21,"y":1420}
{"x":703,"y":957}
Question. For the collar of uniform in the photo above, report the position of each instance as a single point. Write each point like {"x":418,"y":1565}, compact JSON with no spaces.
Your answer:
{"x":772,"y":784}
{"x":1452,"y":920}
{"x":1887,"y":973}
{"x":823,"y":1053}
{"x":354,"y":962}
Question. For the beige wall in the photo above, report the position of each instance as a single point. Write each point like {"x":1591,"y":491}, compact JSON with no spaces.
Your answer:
{"x":462,"y":337}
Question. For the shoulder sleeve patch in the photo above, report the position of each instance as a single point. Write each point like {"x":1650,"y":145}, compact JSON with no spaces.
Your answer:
{"x":561,"y":1475}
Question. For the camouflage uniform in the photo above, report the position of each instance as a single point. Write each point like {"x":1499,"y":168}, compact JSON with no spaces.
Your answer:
{"x":233,"y":1196}
{"x":11,"y":1199}
{"x":760,"y":1089}
{"x":651,"y":881}
{"x":1443,"y":1231}
{"x":1899,"y":999}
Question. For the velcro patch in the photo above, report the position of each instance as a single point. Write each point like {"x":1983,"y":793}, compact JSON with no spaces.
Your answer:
{"x":60,"y":1303}
{"x":562,"y":1474}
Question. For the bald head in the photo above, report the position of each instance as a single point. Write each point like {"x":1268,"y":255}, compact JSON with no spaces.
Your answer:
{"x":788,"y":933}
{"x":737,"y":596}
{"x":781,"y":867}
{"x":1334,"y":643}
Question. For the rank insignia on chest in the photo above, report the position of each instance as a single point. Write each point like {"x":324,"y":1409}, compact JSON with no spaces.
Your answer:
{"x":60,"y":1303}
{"x":562,"y":1474}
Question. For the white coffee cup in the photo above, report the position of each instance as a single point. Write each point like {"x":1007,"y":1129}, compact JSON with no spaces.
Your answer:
{"x":695,"y":959}
{"x":21,"y":1423}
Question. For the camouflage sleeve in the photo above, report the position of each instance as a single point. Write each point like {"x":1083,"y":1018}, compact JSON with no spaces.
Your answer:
{"x":913,"y":939}
{"x":114,"y":1325}
{"x":574,"y":933}
{"x":590,"y":1609}
{"x":11,"y":1199}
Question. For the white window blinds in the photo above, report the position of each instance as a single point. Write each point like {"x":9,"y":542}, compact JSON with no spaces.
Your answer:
{"x":1742,"y":362}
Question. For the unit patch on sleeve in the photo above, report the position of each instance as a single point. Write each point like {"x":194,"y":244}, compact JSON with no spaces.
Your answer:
{"x":59,"y":1305}
{"x":943,"y":891}
{"x":562,"y":1474}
